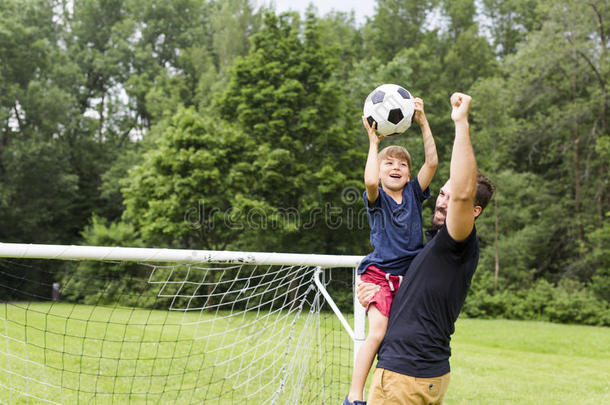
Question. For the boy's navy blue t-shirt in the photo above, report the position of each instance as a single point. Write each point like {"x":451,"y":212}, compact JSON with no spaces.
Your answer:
{"x":426,"y":306}
{"x":396,"y":229}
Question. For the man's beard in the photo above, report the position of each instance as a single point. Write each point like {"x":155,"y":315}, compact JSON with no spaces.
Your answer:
{"x":433,"y":229}
{"x":437,"y":225}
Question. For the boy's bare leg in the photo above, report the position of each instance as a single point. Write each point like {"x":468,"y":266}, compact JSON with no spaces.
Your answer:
{"x":378,"y":323}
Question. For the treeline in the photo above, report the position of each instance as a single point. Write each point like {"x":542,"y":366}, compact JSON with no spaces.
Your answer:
{"x":214,"y":124}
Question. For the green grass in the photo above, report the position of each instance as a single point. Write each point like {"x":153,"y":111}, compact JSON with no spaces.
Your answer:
{"x":521,"y":362}
{"x":122,"y":355}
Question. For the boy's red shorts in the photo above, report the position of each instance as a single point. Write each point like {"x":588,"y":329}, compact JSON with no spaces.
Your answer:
{"x":389,"y":285}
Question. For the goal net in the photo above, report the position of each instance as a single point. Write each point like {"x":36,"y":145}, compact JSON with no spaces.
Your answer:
{"x":103,"y":325}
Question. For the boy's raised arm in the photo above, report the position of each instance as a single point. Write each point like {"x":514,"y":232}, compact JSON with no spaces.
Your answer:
{"x":426,"y":172}
{"x":371,"y":170}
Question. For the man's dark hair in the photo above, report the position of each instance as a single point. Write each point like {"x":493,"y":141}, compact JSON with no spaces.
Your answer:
{"x":485,"y":189}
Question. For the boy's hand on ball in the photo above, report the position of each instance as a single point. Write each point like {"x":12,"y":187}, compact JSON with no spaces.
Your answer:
{"x":419,"y":116}
{"x":371,"y":131}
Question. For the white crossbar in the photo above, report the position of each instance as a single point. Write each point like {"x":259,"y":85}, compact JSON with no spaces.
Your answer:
{"x":71,"y":252}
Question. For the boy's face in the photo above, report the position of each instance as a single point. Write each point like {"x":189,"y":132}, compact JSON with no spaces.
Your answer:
{"x":393,"y":173}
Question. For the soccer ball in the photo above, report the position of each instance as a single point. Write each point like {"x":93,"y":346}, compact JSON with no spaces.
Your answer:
{"x":391,"y":107}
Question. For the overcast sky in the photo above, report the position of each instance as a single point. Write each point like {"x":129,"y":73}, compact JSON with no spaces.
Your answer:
{"x":362,"y":8}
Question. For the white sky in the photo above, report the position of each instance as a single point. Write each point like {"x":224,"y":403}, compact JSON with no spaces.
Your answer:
{"x":362,"y":8}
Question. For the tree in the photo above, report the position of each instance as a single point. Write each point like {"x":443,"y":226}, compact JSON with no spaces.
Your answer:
{"x":283,"y":96}
{"x":599,"y":260}
{"x":102,"y":283}
{"x":339,"y":30}
{"x":182,"y":193}
{"x":524,"y":211}
{"x":38,"y":184}
{"x":183,"y":51}
{"x":565,"y":115}
{"x":397,"y":24}
{"x":545,"y":116}
{"x":38,"y":193}
{"x":178,"y":58}
{"x":509,"y":22}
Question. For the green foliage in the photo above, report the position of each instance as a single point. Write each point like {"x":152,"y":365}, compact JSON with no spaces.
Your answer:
{"x":509,"y":22}
{"x":598,"y":260}
{"x":101,"y":283}
{"x":463,"y":71}
{"x":573,"y":304}
{"x":228,"y":126}
{"x":522,"y":231}
{"x":111,"y":181}
{"x":283,"y":96}
{"x":38,"y":193}
{"x":397,"y":24}
{"x":600,"y":283}
{"x":461,"y":15}
{"x":182,"y":193}
{"x":339,"y":31}
{"x":553,"y":126}
{"x":568,"y":302}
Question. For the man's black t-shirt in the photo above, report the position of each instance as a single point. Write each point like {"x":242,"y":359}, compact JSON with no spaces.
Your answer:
{"x":427,"y":305}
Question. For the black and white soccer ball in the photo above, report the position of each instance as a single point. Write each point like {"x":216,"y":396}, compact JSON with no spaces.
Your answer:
{"x":391,"y":107}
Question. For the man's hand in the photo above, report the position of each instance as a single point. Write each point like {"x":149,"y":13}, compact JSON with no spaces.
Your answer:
{"x":460,"y":104}
{"x":370,"y":130}
{"x":365,"y":292}
{"x":419,"y":116}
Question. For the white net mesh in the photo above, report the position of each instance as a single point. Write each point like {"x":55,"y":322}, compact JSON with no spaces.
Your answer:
{"x":181,"y":333}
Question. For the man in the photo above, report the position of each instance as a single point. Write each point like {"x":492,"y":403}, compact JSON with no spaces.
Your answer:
{"x":413,"y":359}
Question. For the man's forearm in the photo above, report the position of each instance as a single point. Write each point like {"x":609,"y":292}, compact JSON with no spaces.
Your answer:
{"x":463,"y":169}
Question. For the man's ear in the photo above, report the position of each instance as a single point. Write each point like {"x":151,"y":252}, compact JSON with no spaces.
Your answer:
{"x":477,"y":210}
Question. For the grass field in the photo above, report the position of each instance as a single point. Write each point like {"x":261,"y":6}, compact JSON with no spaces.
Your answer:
{"x":513,"y":362}
{"x":110,"y":355}
{"x":101,"y":355}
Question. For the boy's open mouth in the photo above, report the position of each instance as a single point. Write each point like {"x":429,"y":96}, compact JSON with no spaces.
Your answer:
{"x":395,"y":176}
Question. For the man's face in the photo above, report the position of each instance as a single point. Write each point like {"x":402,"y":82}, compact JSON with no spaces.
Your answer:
{"x":442,"y":202}
{"x":393,"y":173}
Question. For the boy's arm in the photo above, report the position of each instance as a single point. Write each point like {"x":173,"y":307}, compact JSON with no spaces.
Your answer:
{"x":424,"y":177}
{"x":371,"y":170}
{"x":462,"y":172}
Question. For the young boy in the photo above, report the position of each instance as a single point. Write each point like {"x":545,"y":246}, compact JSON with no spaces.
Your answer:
{"x":395,"y":216}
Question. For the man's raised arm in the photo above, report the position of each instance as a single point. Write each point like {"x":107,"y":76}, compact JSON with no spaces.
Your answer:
{"x":462,"y":172}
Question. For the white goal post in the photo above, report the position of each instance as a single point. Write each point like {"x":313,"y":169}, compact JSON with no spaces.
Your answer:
{"x":220,"y":326}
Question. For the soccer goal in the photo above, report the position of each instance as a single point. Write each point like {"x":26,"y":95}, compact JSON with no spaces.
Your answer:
{"x":105,"y":325}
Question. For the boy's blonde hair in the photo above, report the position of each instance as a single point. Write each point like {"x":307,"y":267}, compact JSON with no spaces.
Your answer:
{"x":397,"y":152}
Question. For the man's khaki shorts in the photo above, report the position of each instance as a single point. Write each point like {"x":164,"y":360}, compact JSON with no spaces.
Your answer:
{"x":391,"y":388}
